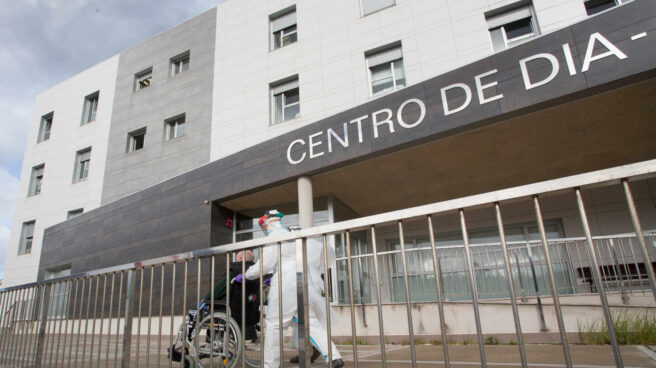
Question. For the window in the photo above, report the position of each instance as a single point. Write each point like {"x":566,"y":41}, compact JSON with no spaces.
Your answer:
{"x":512,"y":26}
{"x":174,"y":127}
{"x":27,"y":235}
{"x":180,"y":63}
{"x":36,"y":180}
{"x":286,"y":103}
{"x":74,"y":213}
{"x":283,"y":28}
{"x":372,"y":6}
{"x":386,"y":69}
{"x":45,"y":127}
{"x":136,"y":140}
{"x":90,"y":108}
{"x":142,"y":79}
{"x":82,"y":162}
{"x":597,"y":6}
{"x":59,"y":296}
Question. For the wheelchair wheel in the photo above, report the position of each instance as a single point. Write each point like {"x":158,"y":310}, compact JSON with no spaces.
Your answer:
{"x":224,"y":349}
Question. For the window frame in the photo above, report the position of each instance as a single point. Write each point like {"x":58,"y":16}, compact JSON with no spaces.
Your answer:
{"x":141,"y":77}
{"x":498,"y":20}
{"x":364,"y":14}
{"x":282,"y":88}
{"x":132,"y":140}
{"x":82,"y":165}
{"x":389,"y":55}
{"x":287,"y":17}
{"x":172,"y":125}
{"x":74,"y":213}
{"x":45,"y":127}
{"x":615,"y":4}
{"x":25,"y":239}
{"x":90,"y":108}
{"x":177,"y":63}
{"x":36,"y":181}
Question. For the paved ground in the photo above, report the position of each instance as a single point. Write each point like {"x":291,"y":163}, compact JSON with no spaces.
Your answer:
{"x":370,"y":356}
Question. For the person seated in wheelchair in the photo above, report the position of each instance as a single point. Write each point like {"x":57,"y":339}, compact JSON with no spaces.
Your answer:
{"x":252,"y":297}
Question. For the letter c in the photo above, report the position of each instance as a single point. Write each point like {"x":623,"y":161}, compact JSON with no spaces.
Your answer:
{"x":289,"y":152}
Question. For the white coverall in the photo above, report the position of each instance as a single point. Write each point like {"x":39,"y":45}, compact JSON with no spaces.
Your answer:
{"x":316,"y":302}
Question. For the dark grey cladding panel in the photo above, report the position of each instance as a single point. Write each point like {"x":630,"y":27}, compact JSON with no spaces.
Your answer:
{"x":172,"y":217}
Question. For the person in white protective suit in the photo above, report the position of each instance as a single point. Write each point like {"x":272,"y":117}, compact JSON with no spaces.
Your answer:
{"x":271,"y":224}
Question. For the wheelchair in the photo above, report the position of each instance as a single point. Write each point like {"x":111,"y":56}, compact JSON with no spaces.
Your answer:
{"x":214,"y":341}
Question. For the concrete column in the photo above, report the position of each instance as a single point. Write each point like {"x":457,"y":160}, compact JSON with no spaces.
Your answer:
{"x":305,"y":202}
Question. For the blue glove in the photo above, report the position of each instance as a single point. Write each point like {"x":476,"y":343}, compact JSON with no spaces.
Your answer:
{"x":238,"y":279}
{"x":267,"y":282}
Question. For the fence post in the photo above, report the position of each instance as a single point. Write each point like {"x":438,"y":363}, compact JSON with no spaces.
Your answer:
{"x":639,"y":236}
{"x":127,"y":326}
{"x":43,"y":316}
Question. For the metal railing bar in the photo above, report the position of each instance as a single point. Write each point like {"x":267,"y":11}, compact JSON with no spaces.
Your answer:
{"x":17,"y":337}
{"x":552,"y":283}
{"x":226,"y":337}
{"x":109,"y":320}
{"x":95,"y":313}
{"x":141,"y":283}
{"x":34,"y":323}
{"x":261,"y":298}
{"x":102,"y":317}
{"x":243,"y":310}
{"x":472,"y":289}
{"x":22,"y":323}
{"x":161,"y":305}
{"x":641,"y":240}
{"x":64,"y":316}
{"x":438,"y":292}
{"x":4,"y":325}
{"x":118,"y":317}
{"x":598,"y":281}
{"x":347,"y":236}
{"x":511,"y":287}
{"x":72,"y":318}
{"x":43,"y":315}
{"x":411,"y":332}
{"x":127,"y":320}
{"x":212,"y":311}
{"x":86,"y":322}
{"x":327,"y":300}
{"x":172,"y":331}
{"x":280,"y":332}
{"x":381,"y":329}
{"x":150,"y":311}
{"x":198,"y":299}
{"x":184,"y":310}
{"x":79,"y":322}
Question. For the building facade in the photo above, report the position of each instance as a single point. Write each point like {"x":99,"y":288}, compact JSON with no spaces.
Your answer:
{"x":385,"y":104}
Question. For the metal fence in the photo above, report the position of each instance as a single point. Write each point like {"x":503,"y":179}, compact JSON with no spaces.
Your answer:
{"x":621,"y":264}
{"x":130,"y":314}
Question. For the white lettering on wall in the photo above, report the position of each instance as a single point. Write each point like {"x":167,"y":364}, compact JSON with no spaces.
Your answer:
{"x":377,"y":123}
{"x":452,"y":99}
{"x":554,"y":70}
{"x":331,"y":133}
{"x":468,"y":97}
{"x":422,"y":113}
{"x":612,"y":50}
{"x":289,"y":152}
{"x":569,"y":59}
{"x":313,"y":144}
{"x":359,"y":122}
{"x":480,"y":88}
